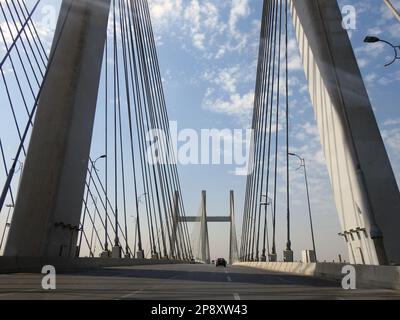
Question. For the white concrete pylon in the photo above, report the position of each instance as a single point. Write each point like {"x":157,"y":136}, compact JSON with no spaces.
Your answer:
{"x":47,"y":214}
{"x":365,"y":190}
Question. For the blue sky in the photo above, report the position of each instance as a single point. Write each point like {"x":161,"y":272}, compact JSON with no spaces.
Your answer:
{"x":208,"y":54}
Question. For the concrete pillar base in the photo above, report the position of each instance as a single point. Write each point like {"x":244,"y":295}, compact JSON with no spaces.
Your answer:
{"x":155,"y":256}
{"x":105,"y":254}
{"x":272,"y":257}
{"x":288,"y":256}
{"x":116,"y":252}
{"x":140,"y":254}
{"x":308,"y":256}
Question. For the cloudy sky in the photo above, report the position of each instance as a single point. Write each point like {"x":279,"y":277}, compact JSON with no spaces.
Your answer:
{"x":208,"y":56}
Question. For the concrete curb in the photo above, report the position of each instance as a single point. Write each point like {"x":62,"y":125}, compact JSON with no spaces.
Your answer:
{"x":35,"y":265}
{"x":367,"y":276}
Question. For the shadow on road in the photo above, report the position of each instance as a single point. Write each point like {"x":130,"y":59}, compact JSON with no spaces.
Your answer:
{"x":238,"y":275}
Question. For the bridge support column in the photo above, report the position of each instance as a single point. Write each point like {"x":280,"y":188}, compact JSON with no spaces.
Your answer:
{"x":365,"y":190}
{"x":175,"y":252}
{"x":46,"y":220}
{"x":233,"y":246}
{"x":205,"y":243}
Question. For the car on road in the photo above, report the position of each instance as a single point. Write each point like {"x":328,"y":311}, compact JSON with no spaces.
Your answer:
{"x":220,"y":262}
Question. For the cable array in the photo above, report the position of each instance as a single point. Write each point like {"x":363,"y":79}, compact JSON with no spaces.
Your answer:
{"x":23,"y":63}
{"x":131,"y":104}
{"x":272,"y":70}
{"x":138,"y":181}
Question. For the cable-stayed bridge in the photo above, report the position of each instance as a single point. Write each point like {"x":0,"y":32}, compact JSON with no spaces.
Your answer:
{"x":201,"y":246}
{"x":101,"y":78}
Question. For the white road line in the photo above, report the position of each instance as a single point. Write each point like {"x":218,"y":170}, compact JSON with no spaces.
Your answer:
{"x":130,"y":295}
{"x":284,"y":280}
{"x":22,"y":291}
{"x":236,"y":296}
{"x":229,"y":278}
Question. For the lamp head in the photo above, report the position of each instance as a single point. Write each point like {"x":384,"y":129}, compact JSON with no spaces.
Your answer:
{"x":371,"y":39}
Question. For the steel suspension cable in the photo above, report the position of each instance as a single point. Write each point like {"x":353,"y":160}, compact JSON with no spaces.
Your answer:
{"x":288,"y":244}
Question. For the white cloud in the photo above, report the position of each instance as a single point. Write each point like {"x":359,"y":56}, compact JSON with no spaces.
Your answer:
{"x":239,"y":9}
{"x":226,"y":78}
{"x":165,"y":12}
{"x":392,"y":122}
{"x":237,"y":105}
{"x":391,"y":137}
{"x":203,"y":23}
{"x":295,"y":61}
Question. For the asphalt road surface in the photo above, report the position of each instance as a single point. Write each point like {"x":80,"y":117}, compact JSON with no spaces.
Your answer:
{"x":181,"y":282}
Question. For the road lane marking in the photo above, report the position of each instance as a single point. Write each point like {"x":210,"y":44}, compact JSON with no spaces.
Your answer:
{"x":22,"y":291}
{"x":236,"y":296}
{"x":130,"y":295}
{"x":229,"y":278}
{"x":284,"y":280}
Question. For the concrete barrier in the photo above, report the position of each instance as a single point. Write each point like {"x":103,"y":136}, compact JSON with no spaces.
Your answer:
{"x":367,"y":276}
{"x":34,"y":265}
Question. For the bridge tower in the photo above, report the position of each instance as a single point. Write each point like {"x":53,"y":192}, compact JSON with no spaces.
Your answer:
{"x":204,"y":238}
{"x":204,"y":219}
{"x":233,"y":245}
{"x":365,"y":190}
{"x":48,"y":208}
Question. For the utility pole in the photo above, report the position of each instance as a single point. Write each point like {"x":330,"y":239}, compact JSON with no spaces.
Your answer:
{"x":86,"y":210}
{"x":265,"y":249}
{"x":303,"y":165}
{"x":7,"y":225}
{"x":140,"y":252}
{"x":93,"y":228}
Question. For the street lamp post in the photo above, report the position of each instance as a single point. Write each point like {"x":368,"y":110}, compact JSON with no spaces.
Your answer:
{"x":93,"y":166}
{"x":9,"y":206}
{"x":265,"y":250}
{"x":135,"y":236}
{"x":7,"y":185}
{"x":372,"y":39}
{"x":303,"y":164}
{"x":93,"y":228}
{"x":140,"y":252}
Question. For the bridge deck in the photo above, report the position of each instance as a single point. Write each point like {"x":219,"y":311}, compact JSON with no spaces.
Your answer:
{"x":175,"y":282}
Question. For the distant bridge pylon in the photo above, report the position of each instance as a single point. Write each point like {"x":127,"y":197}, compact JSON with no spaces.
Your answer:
{"x":203,"y":219}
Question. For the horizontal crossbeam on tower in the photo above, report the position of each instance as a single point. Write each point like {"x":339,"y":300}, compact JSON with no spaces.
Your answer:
{"x":209,"y":219}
